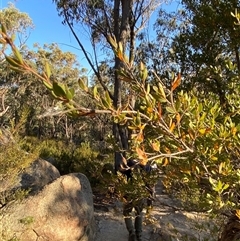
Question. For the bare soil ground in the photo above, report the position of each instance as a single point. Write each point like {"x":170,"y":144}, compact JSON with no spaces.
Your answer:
{"x":167,"y":221}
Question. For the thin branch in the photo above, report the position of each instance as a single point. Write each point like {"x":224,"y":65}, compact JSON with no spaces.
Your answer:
{"x":82,"y":112}
{"x":87,"y":57}
{"x":4,"y":111}
{"x":107,"y":21}
{"x":3,"y":104}
{"x":170,"y":155}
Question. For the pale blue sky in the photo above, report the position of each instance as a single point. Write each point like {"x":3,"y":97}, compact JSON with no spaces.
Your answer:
{"x":48,"y":26}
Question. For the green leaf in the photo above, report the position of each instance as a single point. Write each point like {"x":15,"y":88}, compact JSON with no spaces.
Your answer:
{"x":212,"y":181}
{"x":105,"y":103}
{"x":4,"y":30}
{"x":112,"y":41}
{"x":202,"y":131}
{"x":161,"y":90}
{"x":124,"y":75}
{"x":72,"y":91}
{"x":137,"y":119}
{"x":69,"y":94}
{"x":108,"y":99}
{"x":132,"y":127}
{"x":143,"y":71}
{"x":170,"y":110}
{"x":148,"y":102}
{"x":155,"y":88}
{"x":12,"y":61}
{"x":95,"y":92}
{"x":219,"y":186}
{"x":18,"y":55}
{"x":203,"y":116}
{"x":144,"y":74}
{"x":17,"y":69}
{"x":82,"y":85}
{"x":47,"y":69}
{"x":148,"y":88}
{"x":48,"y":85}
{"x":159,"y":97}
{"x":59,"y":89}
{"x":226,"y":186}
{"x":54,"y":95}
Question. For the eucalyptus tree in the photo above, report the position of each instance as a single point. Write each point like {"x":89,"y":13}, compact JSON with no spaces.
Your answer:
{"x":21,"y":93}
{"x":157,"y":52}
{"x":20,"y":25}
{"x":64,"y":66}
{"x":119,"y":20}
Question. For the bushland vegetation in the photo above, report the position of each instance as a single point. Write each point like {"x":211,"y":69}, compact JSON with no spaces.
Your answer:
{"x":176,"y":105}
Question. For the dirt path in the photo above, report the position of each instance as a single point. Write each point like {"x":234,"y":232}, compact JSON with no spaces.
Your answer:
{"x":166,"y":223}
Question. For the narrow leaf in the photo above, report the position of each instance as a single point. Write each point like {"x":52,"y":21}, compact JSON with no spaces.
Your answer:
{"x":161,"y":90}
{"x":148,"y":88}
{"x":220,"y":168}
{"x":95,"y":92}
{"x":140,"y":137}
{"x":108,"y":99}
{"x":82,"y":85}
{"x":12,"y":61}
{"x":2,"y":41}
{"x":112,"y":41}
{"x":144,"y":74}
{"x":17,"y":69}
{"x":4,"y":30}
{"x":237,"y":213}
{"x":159,"y":110}
{"x":18,"y":55}
{"x":165,"y":163}
{"x":178,"y":118}
{"x":47,"y":69}
{"x":120,"y":47}
{"x":69,"y":94}
{"x":48,"y":85}
{"x":171,"y":128}
{"x":105,"y":103}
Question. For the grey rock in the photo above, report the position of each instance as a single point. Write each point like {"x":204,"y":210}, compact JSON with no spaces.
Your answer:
{"x":33,"y":178}
{"x":37,"y":175}
{"x":62,"y":211}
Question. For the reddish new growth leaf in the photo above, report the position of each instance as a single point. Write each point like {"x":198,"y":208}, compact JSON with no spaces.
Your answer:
{"x":176,"y":82}
{"x":142,"y":156}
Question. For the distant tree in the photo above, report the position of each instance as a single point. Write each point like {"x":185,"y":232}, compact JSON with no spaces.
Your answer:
{"x":207,"y":41}
{"x":20,"y":24}
{"x":22,"y":93}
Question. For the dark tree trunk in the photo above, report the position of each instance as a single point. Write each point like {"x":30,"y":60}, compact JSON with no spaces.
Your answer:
{"x":121,"y":32}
